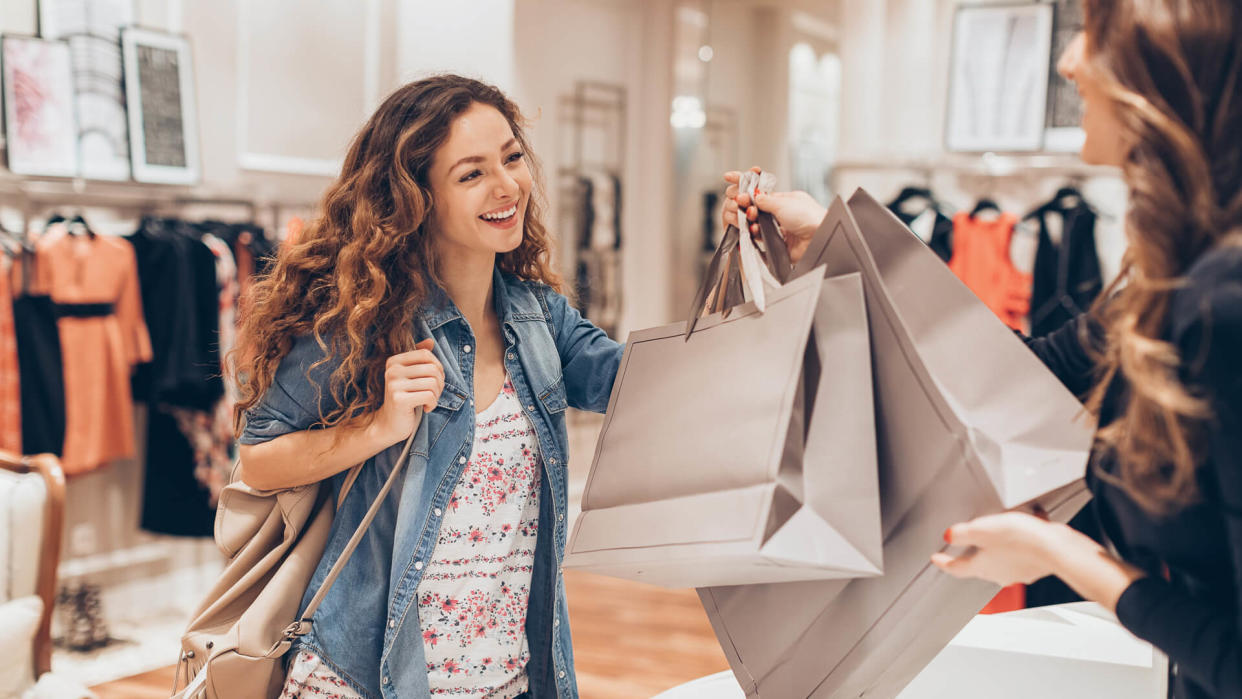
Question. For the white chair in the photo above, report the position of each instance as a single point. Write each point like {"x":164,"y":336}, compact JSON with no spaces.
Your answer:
{"x":32,"y":513}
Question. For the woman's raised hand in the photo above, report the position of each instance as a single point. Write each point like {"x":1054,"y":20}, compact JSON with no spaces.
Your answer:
{"x":798,"y":214}
{"x":412,"y":380}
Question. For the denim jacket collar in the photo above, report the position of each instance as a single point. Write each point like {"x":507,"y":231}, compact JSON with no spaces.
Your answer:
{"x":514,"y":302}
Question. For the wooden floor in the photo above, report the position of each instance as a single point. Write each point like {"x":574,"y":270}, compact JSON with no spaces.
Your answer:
{"x":630,"y":641}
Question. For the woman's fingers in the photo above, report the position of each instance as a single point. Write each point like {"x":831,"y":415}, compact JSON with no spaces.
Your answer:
{"x":957,"y":566}
{"x":414,"y":371}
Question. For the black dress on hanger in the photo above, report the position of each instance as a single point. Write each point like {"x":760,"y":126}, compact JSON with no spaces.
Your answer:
{"x":42,"y":386}
{"x":1067,"y":275}
{"x":941,"y":241}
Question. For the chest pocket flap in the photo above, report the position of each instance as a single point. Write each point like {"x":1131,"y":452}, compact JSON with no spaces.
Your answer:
{"x":553,"y":398}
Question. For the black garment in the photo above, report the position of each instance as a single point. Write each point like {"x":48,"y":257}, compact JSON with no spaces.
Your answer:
{"x":42,"y":375}
{"x":1193,"y":613}
{"x":173,"y":500}
{"x":1067,"y":276}
{"x":941,"y":241}
{"x":180,"y":301}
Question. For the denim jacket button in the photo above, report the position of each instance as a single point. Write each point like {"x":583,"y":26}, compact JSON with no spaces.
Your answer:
{"x":418,"y":565}
{"x":556,"y":622}
{"x":552,"y":460}
{"x":462,"y":460}
{"x":561,"y":517}
{"x":439,"y":512}
{"x":530,"y":408}
{"x":511,"y":356}
{"x":392,"y":623}
{"x":561,"y":674}
{"x":466,"y":349}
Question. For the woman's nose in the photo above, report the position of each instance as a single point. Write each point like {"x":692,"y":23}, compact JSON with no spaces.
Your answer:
{"x":506,"y":186}
{"x":1072,"y":58}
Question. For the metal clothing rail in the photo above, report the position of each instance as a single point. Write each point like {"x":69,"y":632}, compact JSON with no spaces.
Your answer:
{"x":990,"y":165}
{"x":29,"y":195}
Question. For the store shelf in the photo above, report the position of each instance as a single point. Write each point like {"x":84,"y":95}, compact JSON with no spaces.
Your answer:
{"x":983,"y":164}
{"x":30,"y":193}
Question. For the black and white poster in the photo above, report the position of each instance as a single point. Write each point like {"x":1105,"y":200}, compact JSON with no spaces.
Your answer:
{"x":1064,"y":120}
{"x":160,"y":96}
{"x":93,"y":30}
{"x":998,"y":84}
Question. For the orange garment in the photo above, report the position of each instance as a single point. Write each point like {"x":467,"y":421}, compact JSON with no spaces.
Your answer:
{"x":98,"y":353}
{"x":10,"y":382}
{"x":981,"y":260}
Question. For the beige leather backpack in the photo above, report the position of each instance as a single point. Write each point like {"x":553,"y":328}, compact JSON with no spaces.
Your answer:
{"x":274,"y":539}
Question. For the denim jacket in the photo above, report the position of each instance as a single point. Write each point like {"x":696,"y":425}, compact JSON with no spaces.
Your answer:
{"x":367,"y":627}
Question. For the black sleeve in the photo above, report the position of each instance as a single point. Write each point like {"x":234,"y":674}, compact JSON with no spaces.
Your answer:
{"x":1201,"y":637}
{"x":1064,"y":351}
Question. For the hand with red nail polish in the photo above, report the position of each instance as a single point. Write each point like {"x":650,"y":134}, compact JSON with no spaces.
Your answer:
{"x":1004,"y":549}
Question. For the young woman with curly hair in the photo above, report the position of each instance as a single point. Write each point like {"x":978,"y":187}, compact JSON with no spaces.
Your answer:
{"x":1158,"y":360}
{"x":426,"y":284}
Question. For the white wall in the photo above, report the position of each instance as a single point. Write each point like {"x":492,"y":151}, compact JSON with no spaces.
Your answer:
{"x":896,"y":56}
{"x":473,"y":38}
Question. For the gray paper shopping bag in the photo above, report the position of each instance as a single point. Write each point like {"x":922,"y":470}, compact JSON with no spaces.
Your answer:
{"x":969,"y":422}
{"x":744,"y":452}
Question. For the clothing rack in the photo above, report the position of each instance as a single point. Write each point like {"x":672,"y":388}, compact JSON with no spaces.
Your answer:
{"x":987,"y":165}
{"x":30,"y":195}
{"x":592,"y":127}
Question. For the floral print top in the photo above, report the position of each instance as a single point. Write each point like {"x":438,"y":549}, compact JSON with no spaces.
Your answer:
{"x":473,"y":596}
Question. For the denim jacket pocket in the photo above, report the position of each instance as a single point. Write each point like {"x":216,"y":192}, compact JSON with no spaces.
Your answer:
{"x":553,"y":398}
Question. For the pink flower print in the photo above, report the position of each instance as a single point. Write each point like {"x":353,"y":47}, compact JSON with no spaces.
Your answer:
{"x":495,"y":473}
{"x":476,"y":536}
{"x":506,"y":528}
{"x":430,"y":636}
{"x":511,"y":663}
{"x":487,"y":662}
{"x":449,"y":604}
{"x":451,"y":667}
{"x":454,"y":502}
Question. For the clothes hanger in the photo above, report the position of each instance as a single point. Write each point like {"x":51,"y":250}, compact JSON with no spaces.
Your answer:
{"x":985,"y":204}
{"x":78,"y":224}
{"x":914,"y":194}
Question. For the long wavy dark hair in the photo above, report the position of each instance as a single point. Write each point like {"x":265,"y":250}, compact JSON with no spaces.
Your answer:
{"x":358,"y":273}
{"x":1171,"y":69}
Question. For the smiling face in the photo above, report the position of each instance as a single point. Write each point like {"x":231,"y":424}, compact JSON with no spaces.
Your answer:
{"x":480,"y":186}
{"x":1103,"y":129}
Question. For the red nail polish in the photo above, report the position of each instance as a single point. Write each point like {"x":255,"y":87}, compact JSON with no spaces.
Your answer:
{"x":948,"y":535}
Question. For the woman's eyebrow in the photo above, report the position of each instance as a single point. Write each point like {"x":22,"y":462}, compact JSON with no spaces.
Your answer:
{"x":480,"y":158}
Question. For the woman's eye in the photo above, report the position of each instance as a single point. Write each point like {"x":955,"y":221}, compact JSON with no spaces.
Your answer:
{"x":471,"y":175}
{"x":515,"y":157}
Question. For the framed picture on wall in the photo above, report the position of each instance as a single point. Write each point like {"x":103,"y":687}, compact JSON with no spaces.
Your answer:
{"x":40,"y":127}
{"x":93,"y":30}
{"x":1063,"y":129}
{"x":998,"y":80}
{"x":159,"y":97}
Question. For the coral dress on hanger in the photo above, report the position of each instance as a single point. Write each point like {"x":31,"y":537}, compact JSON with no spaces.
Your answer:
{"x":93,"y":279}
{"x":981,"y":260}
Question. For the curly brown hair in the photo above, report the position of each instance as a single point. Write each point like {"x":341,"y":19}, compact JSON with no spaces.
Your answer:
{"x":358,"y":273}
{"x":1171,"y":69}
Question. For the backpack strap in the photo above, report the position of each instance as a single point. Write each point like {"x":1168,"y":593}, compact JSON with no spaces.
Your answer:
{"x":302,"y":626}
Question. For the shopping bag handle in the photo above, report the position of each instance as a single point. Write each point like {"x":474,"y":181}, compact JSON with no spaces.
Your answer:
{"x":723,"y":275}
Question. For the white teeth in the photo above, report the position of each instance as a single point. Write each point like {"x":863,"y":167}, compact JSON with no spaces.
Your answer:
{"x":502,"y":215}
